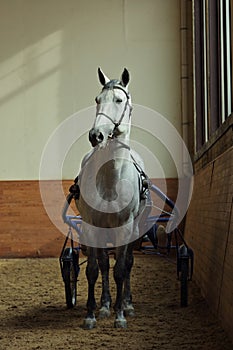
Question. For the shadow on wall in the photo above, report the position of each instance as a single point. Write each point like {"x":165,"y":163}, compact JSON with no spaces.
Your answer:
{"x":49,"y":55}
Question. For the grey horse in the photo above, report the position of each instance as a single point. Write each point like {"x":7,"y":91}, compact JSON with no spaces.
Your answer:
{"x":112,"y":201}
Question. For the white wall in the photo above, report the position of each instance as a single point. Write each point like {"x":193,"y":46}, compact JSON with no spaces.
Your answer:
{"x":50,"y":51}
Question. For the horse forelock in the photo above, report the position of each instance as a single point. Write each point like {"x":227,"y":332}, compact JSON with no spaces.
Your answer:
{"x":111,"y":84}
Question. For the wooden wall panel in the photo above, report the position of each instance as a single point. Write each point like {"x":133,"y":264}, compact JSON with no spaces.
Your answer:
{"x":25,"y":228}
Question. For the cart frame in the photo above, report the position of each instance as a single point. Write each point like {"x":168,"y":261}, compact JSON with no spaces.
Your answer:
{"x":69,"y":257}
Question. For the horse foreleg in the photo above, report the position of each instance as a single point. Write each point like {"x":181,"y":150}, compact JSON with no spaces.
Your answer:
{"x":92,"y":271}
{"x":119,"y":277}
{"x":127,"y":296}
{"x":103,"y":261}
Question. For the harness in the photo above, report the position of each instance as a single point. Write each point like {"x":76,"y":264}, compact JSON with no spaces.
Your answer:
{"x":143,"y":181}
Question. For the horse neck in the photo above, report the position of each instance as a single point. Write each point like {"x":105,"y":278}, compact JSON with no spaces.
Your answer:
{"x":118,"y":148}
{"x":113,"y":157}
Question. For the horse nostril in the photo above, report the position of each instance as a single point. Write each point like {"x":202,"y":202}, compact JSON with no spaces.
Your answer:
{"x":91,"y":135}
{"x":95,"y":137}
{"x":100,"y":137}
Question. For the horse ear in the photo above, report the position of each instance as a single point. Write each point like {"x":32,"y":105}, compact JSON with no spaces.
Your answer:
{"x":125,"y":78}
{"x":102,"y":77}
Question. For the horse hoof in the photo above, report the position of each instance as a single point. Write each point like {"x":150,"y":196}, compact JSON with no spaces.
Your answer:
{"x":89,"y":323}
{"x":120,"y":323}
{"x":129,"y":311}
{"x":104,"y":312}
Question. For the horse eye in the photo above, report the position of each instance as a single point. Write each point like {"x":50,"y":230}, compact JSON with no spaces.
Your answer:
{"x":118,"y":100}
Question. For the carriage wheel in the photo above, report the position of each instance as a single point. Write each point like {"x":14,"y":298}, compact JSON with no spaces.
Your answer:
{"x":70,"y":280}
{"x":184,"y":270}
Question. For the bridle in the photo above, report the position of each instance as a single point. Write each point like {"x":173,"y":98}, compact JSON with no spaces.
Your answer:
{"x":118,"y":123}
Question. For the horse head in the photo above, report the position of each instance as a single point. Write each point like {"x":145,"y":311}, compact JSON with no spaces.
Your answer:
{"x":113,"y":110}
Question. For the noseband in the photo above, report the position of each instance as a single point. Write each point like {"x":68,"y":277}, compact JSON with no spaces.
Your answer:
{"x":118,"y":123}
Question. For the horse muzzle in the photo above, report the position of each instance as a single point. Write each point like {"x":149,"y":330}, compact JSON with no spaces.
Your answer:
{"x":95,"y":137}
